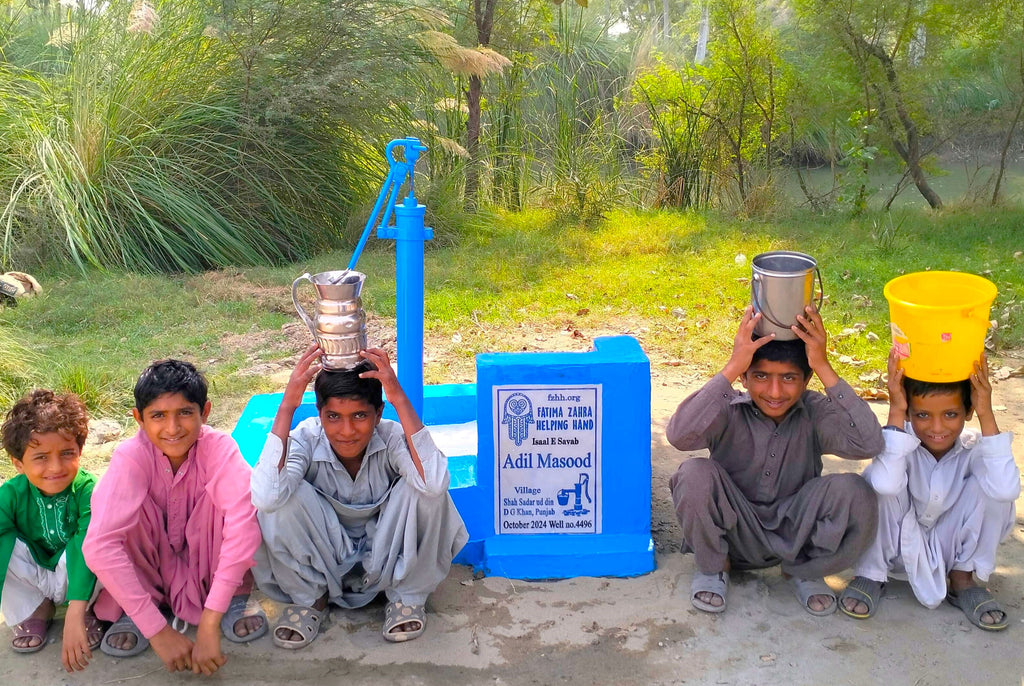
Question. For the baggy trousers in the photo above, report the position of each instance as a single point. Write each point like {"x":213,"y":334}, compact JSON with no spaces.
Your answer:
{"x":407,"y":549}
{"x":964,"y":537}
{"x":821,"y":529}
{"x":178,"y":579}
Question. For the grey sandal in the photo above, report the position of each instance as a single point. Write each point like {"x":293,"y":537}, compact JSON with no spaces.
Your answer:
{"x":862,"y":590}
{"x":709,"y":583}
{"x":241,"y":607}
{"x":805,"y":588}
{"x":397,"y":614}
{"x":305,"y":621}
{"x":976,"y":601}
{"x":124,"y":625}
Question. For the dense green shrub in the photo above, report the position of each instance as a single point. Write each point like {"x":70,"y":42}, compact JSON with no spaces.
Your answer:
{"x":141,"y":135}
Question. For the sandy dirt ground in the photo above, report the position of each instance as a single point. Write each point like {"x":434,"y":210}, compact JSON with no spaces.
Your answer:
{"x":640,"y":630}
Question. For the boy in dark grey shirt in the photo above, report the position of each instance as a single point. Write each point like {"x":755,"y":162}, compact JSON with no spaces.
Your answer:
{"x":760,"y":500}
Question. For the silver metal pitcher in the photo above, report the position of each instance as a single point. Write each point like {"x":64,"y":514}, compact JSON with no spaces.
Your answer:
{"x":781,"y":286}
{"x":339,"y":324}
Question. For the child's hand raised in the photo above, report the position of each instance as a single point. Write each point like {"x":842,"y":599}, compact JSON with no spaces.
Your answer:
{"x":897,"y":396}
{"x":305,"y":370}
{"x":383,"y":372}
{"x":981,"y":397}
{"x":811,"y":330}
{"x":743,"y":345}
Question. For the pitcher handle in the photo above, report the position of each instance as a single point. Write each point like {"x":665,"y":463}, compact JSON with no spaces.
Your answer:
{"x":298,"y":307}
{"x":821,"y":290}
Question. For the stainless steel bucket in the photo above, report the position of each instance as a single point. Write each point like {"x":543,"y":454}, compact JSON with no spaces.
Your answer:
{"x":781,"y":286}
{"x":339,"y":323}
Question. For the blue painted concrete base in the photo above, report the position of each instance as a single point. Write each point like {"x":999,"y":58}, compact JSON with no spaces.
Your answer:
{"x":554,"y":556}
{"x":619,"y":368}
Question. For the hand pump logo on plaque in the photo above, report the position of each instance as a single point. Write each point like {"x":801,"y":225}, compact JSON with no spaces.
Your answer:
{"x":548,"y":464}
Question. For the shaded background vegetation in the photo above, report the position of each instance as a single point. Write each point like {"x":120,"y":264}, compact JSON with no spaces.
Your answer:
{"x":622,"y":151}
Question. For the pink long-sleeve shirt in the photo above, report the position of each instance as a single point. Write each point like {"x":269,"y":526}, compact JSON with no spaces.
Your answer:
{"x":139,"y":471}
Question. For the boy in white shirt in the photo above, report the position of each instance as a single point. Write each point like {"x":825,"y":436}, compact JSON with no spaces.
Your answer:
{"x":945,"y":497}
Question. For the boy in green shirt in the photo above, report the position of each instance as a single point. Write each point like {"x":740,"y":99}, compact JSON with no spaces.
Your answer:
{"x":44,"y":513}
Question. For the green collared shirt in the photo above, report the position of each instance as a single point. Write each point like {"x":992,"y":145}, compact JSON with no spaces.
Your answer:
{"x":51,"y":526}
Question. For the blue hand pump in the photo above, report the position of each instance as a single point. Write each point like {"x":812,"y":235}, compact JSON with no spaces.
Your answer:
{"x":409,"y":234}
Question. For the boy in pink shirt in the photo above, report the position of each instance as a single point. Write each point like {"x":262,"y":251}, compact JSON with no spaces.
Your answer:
{"x":173,"y":527}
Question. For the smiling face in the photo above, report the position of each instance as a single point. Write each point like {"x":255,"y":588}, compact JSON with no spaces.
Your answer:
{"x":774,"y":387}
{"x":937,"y":419}
{"x":348,"y":424}
{"x":172,"y":424}
{"x":50,"y":462}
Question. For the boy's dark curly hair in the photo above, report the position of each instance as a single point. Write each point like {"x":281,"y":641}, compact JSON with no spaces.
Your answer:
{"x":42,"y":411}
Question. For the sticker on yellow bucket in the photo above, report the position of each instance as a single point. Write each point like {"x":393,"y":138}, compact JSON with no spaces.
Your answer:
{"x":900,"y":341}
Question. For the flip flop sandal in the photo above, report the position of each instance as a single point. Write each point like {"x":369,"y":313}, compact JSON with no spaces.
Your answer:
{"x":242,"y":606}
{"x":124,"y":625}
{"x":30,"y":628}
{"x":397,"y":614}
{"x":94,"y":627}
{"x":805,"y":588}
{"x":976,"y":601}
{"x":862,"y":590}
{"x":303,"y":620}
{"x":709,"y":583}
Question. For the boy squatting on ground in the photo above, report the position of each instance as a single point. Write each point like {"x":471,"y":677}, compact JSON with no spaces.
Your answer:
{"x":173,"y":526}
{"x":44,"y":513}
{"x":761,"y":499}
{"x":945,"y":498}
{"x":351,"y":505}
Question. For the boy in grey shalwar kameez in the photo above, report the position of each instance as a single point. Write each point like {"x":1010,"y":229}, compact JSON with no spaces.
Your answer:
{"x":351,"y":505}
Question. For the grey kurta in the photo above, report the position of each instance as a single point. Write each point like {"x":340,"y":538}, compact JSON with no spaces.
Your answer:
{"x":760,"y":499}
{"x":388,"y":529}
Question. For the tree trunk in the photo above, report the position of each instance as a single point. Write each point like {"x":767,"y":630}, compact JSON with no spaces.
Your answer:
{"x":473,"y":141}
{"x":702,"y":36}
{"x":1006,"y":149}
{"x":484,"y":17}
{"x":909,"y":151}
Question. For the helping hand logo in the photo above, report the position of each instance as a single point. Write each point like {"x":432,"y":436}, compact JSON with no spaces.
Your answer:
{"x":518,"y":414}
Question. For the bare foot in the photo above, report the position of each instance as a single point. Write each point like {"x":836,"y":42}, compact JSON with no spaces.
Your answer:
{"x":857,"y":607}
{"x":247,"y":625}
{"x":43,"y":612}
{"x":123,"y":640}
{"x":713,"y":599}
{"x":821,"y":602}
{"x":959,"y":581}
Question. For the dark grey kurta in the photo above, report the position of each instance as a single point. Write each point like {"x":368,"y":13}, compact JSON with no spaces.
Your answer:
{"x":761,"y":499}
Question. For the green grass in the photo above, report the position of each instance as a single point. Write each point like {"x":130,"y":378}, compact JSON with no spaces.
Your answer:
{"x":669,"y":278}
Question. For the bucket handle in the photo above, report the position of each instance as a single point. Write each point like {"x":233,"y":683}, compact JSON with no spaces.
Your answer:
{"x":298,"y":307}
{"x":766,"y":313}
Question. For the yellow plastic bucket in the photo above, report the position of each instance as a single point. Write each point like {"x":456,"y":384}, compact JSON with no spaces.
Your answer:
{"x":939,"y":321}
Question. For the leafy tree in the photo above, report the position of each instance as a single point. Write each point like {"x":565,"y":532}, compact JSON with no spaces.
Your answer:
{"x":895,"y":49}
{"x":746,"y":68}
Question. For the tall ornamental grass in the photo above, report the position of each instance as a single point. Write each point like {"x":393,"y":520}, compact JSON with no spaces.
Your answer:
{"x":124,"y":142}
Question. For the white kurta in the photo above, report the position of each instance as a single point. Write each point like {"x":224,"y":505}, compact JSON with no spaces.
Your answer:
{"x":388,"y":529}
{"x":940,"y":515}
